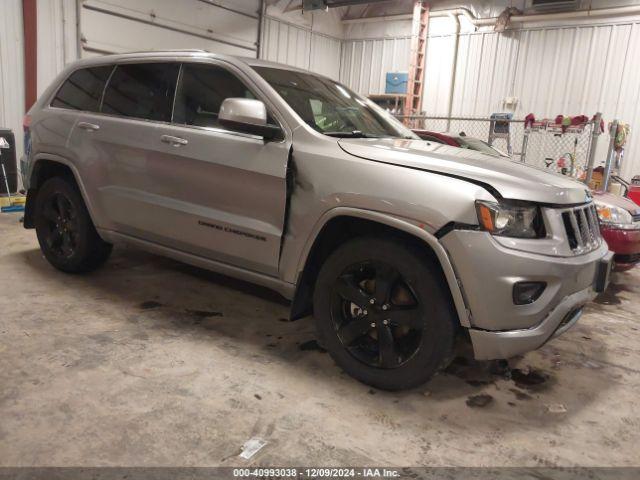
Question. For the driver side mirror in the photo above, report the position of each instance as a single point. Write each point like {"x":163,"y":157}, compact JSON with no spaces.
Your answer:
{"x":247,"y":115}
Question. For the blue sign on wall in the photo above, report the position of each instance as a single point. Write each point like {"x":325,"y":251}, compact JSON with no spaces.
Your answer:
{"x":396,"y":82}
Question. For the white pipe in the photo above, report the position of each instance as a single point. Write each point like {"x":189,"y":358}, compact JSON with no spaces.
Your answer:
{"x":478,"y":22}
{"x":482,"y":22}
{"x":596,"y":12}
{"x":452,"y":82}
{"x":385,"y":18}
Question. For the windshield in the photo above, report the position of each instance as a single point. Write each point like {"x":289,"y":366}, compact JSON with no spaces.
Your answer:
{"x":479,"y":145}
{"x":331,"y":108}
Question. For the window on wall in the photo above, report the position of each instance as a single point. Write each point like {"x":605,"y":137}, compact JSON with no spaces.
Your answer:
{"x":201,"y":92}
{"x":144,"y":90}
{"x":83,"y":89}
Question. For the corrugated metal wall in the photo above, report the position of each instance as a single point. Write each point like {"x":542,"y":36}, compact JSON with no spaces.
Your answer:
{"x":364,"y":63}
{"x":301,"y":47}
{"x":578,"y":69}
{"x":57,"y":38}
{"x":12,"y":68}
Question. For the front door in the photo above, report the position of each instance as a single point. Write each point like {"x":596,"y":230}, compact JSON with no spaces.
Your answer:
{"x":223,"y":193}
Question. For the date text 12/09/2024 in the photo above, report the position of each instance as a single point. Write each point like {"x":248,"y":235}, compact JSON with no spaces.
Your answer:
{"x":316,"y":472}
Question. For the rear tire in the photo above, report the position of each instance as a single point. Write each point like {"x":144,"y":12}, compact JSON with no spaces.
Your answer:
{"x":384,"y":313}
{"x":66,"y":234}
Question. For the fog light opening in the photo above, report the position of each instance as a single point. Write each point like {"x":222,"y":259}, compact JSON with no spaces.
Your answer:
{"x":525,"y":293}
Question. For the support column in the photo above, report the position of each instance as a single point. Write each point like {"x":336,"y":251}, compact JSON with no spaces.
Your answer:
{"x":30,"y":25}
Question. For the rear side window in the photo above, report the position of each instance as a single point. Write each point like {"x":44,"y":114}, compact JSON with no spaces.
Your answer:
{"x":143,"y":90}
{"x":201,"y":92}
{"x":83,"y":89}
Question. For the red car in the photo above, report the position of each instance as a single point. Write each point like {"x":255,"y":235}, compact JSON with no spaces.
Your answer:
{"x":619,"y":216}
{"x":460,"y":141}
{"x":620,"y":227}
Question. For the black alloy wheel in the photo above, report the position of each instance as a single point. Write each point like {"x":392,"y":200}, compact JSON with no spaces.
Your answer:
{"x":376,"y":315}
{"x":61,"y":225}
{"x":67,"y":236}
{"x":384,"y":312}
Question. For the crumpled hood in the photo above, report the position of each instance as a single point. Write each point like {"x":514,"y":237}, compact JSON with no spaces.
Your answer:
{"x":510,"y":179}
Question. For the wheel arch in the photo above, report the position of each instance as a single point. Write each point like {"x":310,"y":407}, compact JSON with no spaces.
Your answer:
{"x":44,"y":167}
{"x":342,"y":224}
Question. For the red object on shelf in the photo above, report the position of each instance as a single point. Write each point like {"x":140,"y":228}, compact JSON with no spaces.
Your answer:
{"x":634,"y":193}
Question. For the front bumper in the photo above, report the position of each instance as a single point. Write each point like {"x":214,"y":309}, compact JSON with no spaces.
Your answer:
{"x":488,"y":271}
{"x":489,"y":345}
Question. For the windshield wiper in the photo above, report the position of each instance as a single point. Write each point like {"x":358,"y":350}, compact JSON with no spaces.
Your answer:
{"x":352,"y":134}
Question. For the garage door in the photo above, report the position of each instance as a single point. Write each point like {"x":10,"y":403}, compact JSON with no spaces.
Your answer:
{"x":118,"y":26}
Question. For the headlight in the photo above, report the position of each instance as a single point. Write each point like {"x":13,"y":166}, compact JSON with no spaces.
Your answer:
{"x":510,"y":220}
{"x":615,"y":216}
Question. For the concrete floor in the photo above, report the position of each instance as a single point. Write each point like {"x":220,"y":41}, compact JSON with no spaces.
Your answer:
{"x":150,"y":362}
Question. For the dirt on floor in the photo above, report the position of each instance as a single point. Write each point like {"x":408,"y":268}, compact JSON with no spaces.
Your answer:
{"x":149,"y":362}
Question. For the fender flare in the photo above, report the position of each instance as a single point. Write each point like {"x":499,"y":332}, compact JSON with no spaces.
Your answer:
{"x":67,"y":163}
{"x":406,"y":226}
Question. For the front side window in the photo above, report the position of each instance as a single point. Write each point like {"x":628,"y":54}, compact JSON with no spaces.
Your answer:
{"x":142,"y":90}
{"x":331,"y":108}
{"x":83,"y":89}
{"x":201,"y":92}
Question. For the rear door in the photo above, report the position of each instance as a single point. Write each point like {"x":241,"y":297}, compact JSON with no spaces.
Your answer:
{"x":223,"y":192}
{"x":52,"y":126}
{"x":120,"y":150}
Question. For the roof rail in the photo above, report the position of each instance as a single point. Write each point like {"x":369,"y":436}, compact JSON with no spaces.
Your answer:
{"x":172,"y":50}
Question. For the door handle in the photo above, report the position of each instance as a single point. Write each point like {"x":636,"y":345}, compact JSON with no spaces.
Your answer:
{"x":174,"y":141}
{"x":89,"y":127}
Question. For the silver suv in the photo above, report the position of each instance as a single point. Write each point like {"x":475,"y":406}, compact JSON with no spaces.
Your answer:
{"x":290,"y":180}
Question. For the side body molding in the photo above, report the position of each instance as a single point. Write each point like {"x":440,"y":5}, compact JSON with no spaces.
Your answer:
{"x":409,"y":226}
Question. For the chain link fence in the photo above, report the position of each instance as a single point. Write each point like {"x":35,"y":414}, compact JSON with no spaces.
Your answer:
{"x":566,"y":150}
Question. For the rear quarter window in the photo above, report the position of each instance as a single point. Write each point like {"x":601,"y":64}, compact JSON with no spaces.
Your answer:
{"x":83,"y":89}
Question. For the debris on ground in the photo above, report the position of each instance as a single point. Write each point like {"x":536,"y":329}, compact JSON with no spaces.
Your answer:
{"x":150,"y":304}
{"x":251,"y":447}
{"x":500,"y":368}
{"x":556,"y":408}
{"x":311,"y":345}
{"x":520,"y":395}
{"x":477,"y":383}
{"x":528,"y":378}
{"x":203,"y":313}
{"x":481,"y":400}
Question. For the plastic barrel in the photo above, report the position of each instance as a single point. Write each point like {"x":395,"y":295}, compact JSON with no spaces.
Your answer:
{"x":8,"y":159}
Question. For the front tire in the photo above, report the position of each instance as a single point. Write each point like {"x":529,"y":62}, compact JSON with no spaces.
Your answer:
{"x":66,"y":234}
{"x":384,"y":313}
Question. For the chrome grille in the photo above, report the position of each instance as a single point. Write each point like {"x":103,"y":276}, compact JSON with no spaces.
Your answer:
{"x":582,"y":228}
